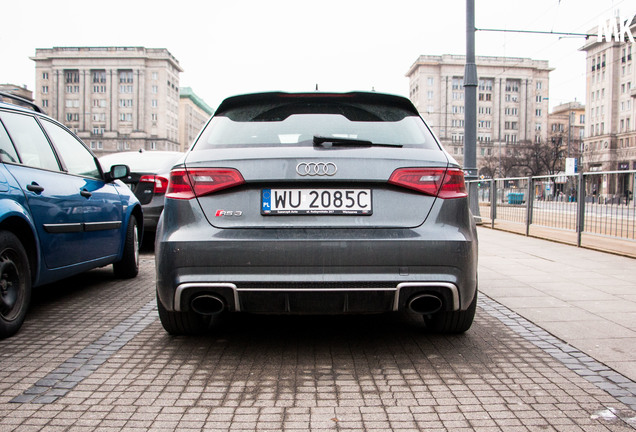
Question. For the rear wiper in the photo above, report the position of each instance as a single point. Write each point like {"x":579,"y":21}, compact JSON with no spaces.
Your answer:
{"x":335,"y":141}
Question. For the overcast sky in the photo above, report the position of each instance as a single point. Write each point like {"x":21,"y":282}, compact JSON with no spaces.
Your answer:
{"x":240,"y":46}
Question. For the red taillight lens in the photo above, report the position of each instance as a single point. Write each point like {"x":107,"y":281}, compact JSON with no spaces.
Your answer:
{"x":191,"y":183}
{"x":439,"y":182}
{"x":160,"y":184}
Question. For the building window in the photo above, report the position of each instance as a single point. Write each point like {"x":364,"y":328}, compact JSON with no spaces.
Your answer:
{"x":125,"y":89}
{"x":45,"y":89}
{"x":154,"y":103}
{"x":538,"y":112}
{"x":153,"y":145}
{"x":539,"y":85}
{"x":45,"y":75}
{"x":457,"y":83}
{"x":125,"y":76}
{"x":99,"y":76}
{"x":512,"y":86}
{"x":155,"y":89}
{"x":45,"y":103}
{"x":71,"y":76}
{"x":430,"y":81}
{"x":485,"y":84}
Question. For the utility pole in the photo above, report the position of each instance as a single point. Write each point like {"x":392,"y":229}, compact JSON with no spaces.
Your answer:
{"x":470,"y":111}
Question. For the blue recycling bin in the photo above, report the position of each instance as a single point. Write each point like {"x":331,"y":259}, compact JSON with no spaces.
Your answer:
{"x":515,"y":198}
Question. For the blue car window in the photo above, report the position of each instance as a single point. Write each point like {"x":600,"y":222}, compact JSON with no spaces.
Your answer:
{"x":77,"y":159}
{"x":33,"y":147}
{"x":7,"y":151}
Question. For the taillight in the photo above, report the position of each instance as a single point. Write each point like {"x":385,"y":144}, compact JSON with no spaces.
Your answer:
{"x":160,"y":184}
{"x":191,"y":183}
{"x":439,"y":182}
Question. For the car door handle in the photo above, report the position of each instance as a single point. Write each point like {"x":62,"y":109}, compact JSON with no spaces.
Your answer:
{"x":34,"y":187}
{"x":85,"y":193}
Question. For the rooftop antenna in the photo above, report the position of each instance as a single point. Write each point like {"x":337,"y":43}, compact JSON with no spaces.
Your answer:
{"x":316,"y":86}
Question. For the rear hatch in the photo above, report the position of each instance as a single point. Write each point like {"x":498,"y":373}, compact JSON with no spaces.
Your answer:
{"x":278,"y":160}
{"x":295,"y":187}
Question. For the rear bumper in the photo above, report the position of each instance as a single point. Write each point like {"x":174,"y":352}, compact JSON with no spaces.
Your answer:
{"x":152,"y":212}
{"x":317,"y":270}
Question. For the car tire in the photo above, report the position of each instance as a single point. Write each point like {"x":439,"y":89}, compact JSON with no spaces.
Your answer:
{"x":15,"y":284}
{"x":182,"y":323}
{"x":452,"y":321}
{"x":128,"y":266}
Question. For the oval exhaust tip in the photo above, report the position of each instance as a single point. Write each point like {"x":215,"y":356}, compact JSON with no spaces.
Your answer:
{"x":425,"y":304}
{"x":207,"y":304}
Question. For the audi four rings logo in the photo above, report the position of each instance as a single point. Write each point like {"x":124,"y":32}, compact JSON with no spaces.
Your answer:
{"x":316,"y":168}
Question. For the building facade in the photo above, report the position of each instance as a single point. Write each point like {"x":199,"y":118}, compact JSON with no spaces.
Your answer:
{"x":566,"y":125}
{"x":193,"y":115}
{"x":512,"y":101}
{"x":610,"y":142}
{"x":114,"y":98}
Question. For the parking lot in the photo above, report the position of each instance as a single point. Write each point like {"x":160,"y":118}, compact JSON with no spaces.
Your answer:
{"x":92,"y":355}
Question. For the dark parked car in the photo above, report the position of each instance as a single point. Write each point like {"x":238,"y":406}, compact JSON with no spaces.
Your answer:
{"x":148,"y":179}
{"x":316,"y":204}
{"x":60,"y":214}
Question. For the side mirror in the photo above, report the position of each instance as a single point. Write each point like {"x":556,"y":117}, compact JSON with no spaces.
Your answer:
{"x":117,"y":172}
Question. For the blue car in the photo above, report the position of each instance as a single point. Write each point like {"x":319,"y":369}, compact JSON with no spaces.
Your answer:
{"x":60,"y":214}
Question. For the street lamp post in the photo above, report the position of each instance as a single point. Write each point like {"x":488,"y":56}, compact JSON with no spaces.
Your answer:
{"x":470,"y":110}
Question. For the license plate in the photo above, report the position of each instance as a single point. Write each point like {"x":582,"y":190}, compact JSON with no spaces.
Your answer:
{"x":316,"y":202}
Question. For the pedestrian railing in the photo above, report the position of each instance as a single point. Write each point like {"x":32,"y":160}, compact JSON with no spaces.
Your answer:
{"x":594,"y":203}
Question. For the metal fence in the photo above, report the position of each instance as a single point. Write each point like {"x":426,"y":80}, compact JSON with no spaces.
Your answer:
{"x":594,"y":203}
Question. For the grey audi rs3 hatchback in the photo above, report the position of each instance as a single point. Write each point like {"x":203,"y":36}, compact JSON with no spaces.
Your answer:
{"x":316,"y":203}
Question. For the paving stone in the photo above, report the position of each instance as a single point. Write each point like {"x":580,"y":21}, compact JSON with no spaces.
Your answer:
{"x":97,"y":359}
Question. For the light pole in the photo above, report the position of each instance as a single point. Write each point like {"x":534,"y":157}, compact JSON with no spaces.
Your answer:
{"x":470,"y":111}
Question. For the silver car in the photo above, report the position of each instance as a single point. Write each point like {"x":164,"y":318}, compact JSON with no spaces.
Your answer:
{"x":316,"y":203}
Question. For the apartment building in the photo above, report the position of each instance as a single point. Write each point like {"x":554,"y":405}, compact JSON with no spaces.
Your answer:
{"x":610,"y":142}
{"x":193,"y":115}
{"x":512,"y":101}
{"x":566,"y":124}
{"x":114,"y":98}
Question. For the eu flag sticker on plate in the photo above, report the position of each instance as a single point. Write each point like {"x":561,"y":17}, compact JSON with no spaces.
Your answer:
{"x":266,"y":198}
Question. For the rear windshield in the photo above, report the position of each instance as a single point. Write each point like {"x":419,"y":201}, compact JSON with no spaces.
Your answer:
{"x":294,"y":124}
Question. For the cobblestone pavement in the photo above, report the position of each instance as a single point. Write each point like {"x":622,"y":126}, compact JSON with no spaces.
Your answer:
{"x":92,"y":355}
